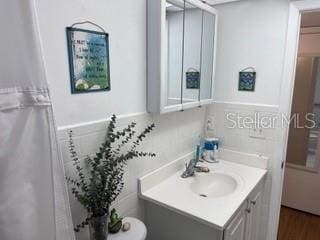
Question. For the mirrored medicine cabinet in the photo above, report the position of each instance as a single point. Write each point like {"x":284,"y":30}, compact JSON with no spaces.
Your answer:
{"x":181,"y":54}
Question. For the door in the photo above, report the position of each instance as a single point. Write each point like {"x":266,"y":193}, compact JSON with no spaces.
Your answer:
{"x":236,"y":229}
{"x":253,"y":216}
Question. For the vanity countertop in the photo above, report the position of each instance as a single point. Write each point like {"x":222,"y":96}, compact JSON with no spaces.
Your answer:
{"x":166,"y":188}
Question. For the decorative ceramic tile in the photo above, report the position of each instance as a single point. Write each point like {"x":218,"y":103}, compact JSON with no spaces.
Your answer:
{"x":247,"y":81}
{"x":193,"y":80}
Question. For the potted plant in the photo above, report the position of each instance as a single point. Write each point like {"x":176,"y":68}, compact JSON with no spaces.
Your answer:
{"x":105,"y":181}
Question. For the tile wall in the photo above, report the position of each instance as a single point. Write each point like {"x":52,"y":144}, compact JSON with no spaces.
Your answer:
{"x":258,"y":139}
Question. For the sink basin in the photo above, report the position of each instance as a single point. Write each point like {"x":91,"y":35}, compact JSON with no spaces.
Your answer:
{"x":213,"y":184}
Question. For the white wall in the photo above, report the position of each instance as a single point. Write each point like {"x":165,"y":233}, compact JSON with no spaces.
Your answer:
{"x":125,"y":21}
{"x":251,"y":33}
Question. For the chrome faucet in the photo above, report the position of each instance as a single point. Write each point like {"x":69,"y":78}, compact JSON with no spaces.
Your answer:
{"x":192,"y":167}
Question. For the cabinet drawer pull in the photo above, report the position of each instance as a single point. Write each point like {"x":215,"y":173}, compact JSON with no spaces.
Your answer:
{"x":253,"y":202}
{"x":248,"y":210}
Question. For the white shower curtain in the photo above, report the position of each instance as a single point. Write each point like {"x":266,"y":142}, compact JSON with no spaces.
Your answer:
{"x":33,"y":197}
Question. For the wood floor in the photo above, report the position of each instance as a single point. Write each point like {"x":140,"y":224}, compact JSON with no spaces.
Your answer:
{"x":297,"y":225}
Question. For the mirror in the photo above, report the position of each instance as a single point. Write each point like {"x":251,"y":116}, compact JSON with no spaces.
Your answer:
{"x":303,"y":150}
{"x":181,"y":41}
{"x":191,"y":54}
{"x":207,"y":56}
{"x":303,"y":143}
{"x":174,"y":46}
{"x":313,"y":139}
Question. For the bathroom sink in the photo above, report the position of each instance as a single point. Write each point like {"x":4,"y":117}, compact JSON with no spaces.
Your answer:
{"x":214,"y":184}
{"x":212,"y":198}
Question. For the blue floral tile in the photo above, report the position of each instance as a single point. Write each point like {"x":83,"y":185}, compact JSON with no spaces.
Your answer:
{"x":247,"y":81}
{"x":193,"y":80}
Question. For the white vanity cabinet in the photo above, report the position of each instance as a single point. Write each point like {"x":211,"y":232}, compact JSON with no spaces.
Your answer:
{"x":181,"y":50}
{"x":164,"y":223}
{"x":246,"y":223}
{"x":190,"y":208}
{"x":254,"y":214}
{"x":237,"y":228}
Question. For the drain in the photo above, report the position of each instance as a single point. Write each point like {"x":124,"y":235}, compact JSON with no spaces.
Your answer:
{"x":203,"y":195}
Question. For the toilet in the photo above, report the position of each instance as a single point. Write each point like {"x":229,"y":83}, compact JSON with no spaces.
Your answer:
{"x":137,"y":231}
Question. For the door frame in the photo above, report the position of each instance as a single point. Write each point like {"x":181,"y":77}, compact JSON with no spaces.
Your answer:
{"x":287,"y":85}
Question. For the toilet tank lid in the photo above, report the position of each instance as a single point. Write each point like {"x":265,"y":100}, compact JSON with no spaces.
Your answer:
{"x":138,"y":231}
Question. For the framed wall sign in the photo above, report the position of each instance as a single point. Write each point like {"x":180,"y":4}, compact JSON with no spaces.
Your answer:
{"x":247,"y":79}
{"x":88,"y":60}
{"x":193,"y":80}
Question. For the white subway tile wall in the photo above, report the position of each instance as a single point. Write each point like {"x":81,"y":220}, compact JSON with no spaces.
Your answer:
{"x":175,"y":135}
{"x":240,"y":139}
